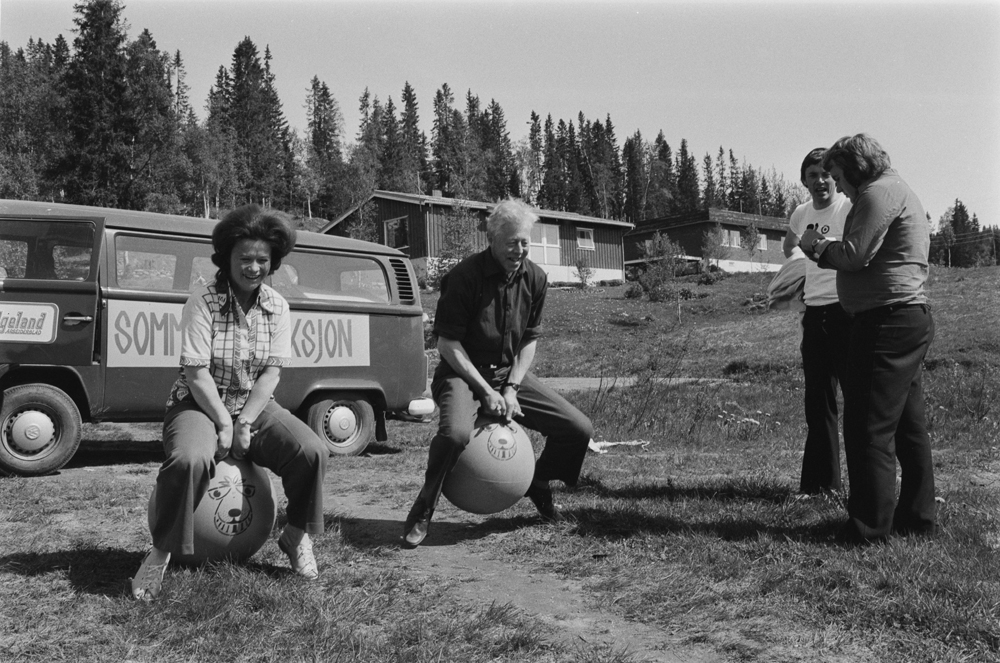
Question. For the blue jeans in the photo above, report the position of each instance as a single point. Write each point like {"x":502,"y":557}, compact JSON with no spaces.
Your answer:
{"x":884,"y":421}
{"x":282,"y":443}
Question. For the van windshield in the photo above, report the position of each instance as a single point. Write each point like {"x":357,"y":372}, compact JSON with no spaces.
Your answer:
{"x":329,"y":277}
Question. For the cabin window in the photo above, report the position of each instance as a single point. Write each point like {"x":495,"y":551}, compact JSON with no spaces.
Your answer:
{"x":544,"y":248}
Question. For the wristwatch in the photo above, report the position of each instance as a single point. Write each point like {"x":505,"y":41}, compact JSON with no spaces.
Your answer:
{"x":816,"y":242}
{"x":513,"y":385}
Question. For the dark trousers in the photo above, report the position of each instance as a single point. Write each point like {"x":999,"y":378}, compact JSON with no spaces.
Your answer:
{"x":282,"y":443}
{"x":567,"y":431}
{"x":884,"y":421}
{"x":825,"y":334}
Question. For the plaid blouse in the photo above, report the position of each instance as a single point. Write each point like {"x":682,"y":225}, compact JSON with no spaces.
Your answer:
{"x":235,"y":347}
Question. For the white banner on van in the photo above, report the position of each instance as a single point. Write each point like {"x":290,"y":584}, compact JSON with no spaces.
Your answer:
{"x":147,"y":334}
{"x":24,"y":322}
{"x":143,"y":334}
{"x":329,"y":339}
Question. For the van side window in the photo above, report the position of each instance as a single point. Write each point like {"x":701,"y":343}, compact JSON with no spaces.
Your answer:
{"x":13,"y":258}
{"x":50,"y":250}
{"x":329,"y":277}
{"x":162,"y":265}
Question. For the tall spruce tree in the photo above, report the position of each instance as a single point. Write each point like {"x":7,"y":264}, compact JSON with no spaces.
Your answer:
{"x":636,"y":157}
{"x":415,"y":167}
{"x":156,"y":163}
{"x":32,"y":118}
{"x":709,"y":191}
{"x":551,"y":192}
{"x":688,"y":195}
{"x":721,"y":199}
{"x":530,"y":159}
{"x":501,"y":175}
{"x":661,"y":198}
{"x":323,"y":154}
{"x":100,"y":124}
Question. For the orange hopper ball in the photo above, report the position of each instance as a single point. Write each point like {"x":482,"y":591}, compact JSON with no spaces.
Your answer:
{"x":235,"y":516}
{"x":495,"y":469}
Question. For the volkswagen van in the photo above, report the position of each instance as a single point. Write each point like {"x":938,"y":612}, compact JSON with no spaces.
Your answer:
{"x":90,"y":309}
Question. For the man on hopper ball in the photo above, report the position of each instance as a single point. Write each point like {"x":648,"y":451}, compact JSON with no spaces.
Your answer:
{"x":488,"y":322}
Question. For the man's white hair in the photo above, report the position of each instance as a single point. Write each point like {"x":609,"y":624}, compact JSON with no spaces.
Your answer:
{"x":512,"y":212}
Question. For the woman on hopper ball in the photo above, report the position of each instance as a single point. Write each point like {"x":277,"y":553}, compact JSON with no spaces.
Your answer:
{"x":882,"y":266}
{"x":235,"y":337}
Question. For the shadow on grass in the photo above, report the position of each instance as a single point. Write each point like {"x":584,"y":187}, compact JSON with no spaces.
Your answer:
{"x":616,"y":525}
{"x":816,"y":520}
{"x":380,"y":449}
{"x":722,"y":491}
{"x":369,"y":533}
{"x":105,"y":571}
{"x":135,"y":453}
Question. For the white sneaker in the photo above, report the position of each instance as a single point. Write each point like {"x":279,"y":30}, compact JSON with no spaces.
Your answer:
{"x":148,"y":579}
{"x":300,"y":557}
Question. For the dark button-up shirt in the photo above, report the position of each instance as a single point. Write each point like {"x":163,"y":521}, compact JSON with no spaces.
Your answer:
{"x":882,"y":258}
{"x":490,"y":313}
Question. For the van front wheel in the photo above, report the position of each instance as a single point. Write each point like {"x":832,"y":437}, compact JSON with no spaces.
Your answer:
{"x":344,"y":421}
{"x":40,"y":430}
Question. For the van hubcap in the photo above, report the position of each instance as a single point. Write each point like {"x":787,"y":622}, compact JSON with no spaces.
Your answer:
{"x":30,"y":431}
{"x":341,"y":423}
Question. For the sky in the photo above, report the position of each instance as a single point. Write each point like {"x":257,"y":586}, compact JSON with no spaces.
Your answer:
{"x":768,"y":80}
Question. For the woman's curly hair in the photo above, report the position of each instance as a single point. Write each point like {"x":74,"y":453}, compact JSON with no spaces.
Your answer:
{"x":251,"y":222}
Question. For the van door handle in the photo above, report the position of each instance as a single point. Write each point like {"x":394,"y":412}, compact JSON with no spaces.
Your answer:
{"x":77,"y":319}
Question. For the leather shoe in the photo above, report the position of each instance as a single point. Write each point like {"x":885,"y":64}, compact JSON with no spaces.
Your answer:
{"x":541,"y":497}
{"x":418,"y":522}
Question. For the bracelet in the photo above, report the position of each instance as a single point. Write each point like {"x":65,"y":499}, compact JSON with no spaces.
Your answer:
{"x":513,"y":385}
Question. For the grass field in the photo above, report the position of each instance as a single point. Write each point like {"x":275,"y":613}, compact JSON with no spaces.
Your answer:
{"x":697,"y":534}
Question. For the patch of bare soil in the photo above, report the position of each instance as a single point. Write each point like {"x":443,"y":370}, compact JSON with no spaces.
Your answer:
{"x":561,"y":604}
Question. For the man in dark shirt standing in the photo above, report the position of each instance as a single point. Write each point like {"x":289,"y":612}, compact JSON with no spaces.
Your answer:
{"x":488,"y":323}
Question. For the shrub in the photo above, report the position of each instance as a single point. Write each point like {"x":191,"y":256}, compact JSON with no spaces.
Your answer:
{"x":437,"y":268}
{"x":584,"y":271}
{"x":633,"y":291}
{"x":710,"y":277}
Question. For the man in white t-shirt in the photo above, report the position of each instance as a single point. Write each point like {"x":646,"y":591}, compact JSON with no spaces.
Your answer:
{"x":825,"y":327}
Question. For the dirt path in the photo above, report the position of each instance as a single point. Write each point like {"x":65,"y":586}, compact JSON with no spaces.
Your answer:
{"x":561,"y":604}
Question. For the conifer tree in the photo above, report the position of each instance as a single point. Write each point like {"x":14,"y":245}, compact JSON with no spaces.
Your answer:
{"x":661,"y":196}
{"x":709,"y":192}
{"x":157,"y":166}
{"x":444,"y":138}
{"x":323,"y":159}
{"x":735,"y":184}
{"x":637,"y":160}
{"x":32,"y":118}
{"x":550,"y":194}
{"x":392,"y":176}
{"x":687,"y":181}
{"x":498,"y":153}
{"x":99,"y":123}
{"x":414,"y":145}
{"x":529,"y":160}
{"x":721,"y":200}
